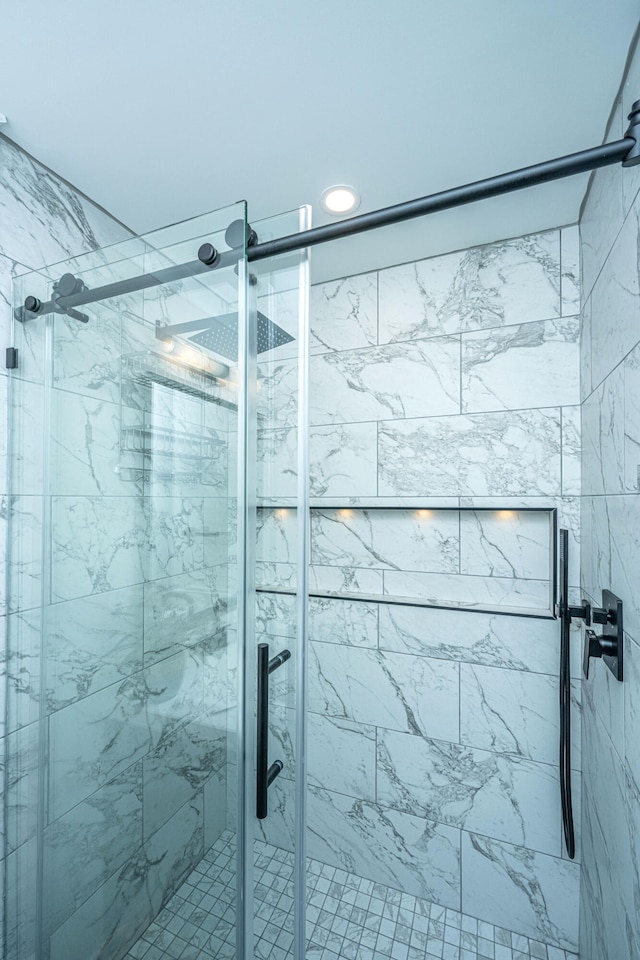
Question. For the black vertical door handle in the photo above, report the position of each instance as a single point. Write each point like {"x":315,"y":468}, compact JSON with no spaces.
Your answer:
{"x":265,"y":774}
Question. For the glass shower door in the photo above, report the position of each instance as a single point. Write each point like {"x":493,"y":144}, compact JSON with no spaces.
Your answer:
{"x":124,"y":580}
{"x":276,"y":599}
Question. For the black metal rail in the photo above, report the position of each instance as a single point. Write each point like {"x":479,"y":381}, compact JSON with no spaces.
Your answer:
{"x":71,"y":293}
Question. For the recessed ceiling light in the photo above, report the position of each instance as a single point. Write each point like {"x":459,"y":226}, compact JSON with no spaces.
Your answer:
{"x":340,"y":199}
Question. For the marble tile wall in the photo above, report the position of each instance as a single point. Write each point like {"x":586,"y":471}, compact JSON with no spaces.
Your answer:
{"x":433,"y":733}
{"x":42,"y":220}
{"x":129,"y":702}
{"x":610,"y":388}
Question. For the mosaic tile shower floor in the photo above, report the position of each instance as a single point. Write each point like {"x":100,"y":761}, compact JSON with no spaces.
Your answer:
{"x":348,"y":918}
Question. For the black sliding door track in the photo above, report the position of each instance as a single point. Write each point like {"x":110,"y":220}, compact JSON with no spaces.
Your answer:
{"x":625,"y":151}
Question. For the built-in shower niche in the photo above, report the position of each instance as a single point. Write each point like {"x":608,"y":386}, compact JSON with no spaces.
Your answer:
{"x":463,"y":558}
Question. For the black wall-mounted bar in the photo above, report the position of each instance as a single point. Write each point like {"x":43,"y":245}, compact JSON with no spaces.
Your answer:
{"x":625,"y":151}
{"x":564,"y":612}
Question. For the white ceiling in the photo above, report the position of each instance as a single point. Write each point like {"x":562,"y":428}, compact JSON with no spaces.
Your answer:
{"x":160,"y":109}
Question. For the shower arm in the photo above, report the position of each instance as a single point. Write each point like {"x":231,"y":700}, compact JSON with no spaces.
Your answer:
{"x":625,"y":151}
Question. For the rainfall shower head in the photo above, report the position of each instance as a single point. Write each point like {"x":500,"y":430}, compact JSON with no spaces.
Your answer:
{"x":220,"y":335}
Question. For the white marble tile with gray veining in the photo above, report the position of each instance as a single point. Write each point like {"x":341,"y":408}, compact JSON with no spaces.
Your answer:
{"x":570,"y":270}
{"x":513,"y":281}
{"x":515,"y":712}
{"x":122,"y":908}
{"x":98,"y":544}
{"x":603,"y":439}
{"x":606,"y":697}
{"x":391,"y":382}
{"x":179,"y":458}
{"x":97,"y":836}
{"x":514,"y":887}
{"x":507,"y":798}
{"x":585,"y":351}
{"x":611,"y":554}
{"x":528,"y":365}
{"x":616,"y":294}
{"x":277,"y":462}
{"x":344,"y":313}
{"x":20,"y":904}
{"x":174,"y":694}
{"x":631,"y":85}
{"x":487,"y":454}
{"x":354,"y":623}
{"x":87,"y":358}
{"x":386,"y":539}
{"x":342,"y":756}
{"x":569,"y":511}
{"x":276,"y":536}
{"x":276,"y":615}
{"x":277,"y":393}
{"x":321,"y":578}
{"x":593,"y":542}
{"x":277,"y":576}
{"x":603,"y":213}
{"x":505,"y":543}
{"x":571,"y":451}
{"x":218,"y":529}
{"x":632,"y":918}
{"x":3,"y":438}
{"x":97,"y":738}
{"x":175,"y":528}
{"x":20,"y":669}
{"x":282,"y":307}
{"x":494,"y":640}
{"x":417,"y":856}
{"x":25,"y":410}
{"x":91,"y":643}
{"x":89,"y":449}
{"x":177,"y":770}
{"x":215,"y":809}
{"x":44,"y":217}
{"x":607,"y":850}
{"x":343,"y":460}
{"x":462,"y":590}
{"x":632,"y":708}
{"x":220,"y":677}
{"x":385,"y":689}
{"x":21,"y":563}
{"x":183,"y":611}
{"x":186,"y":300}
{"x":631,"y":421}
{"x":21,"y":786}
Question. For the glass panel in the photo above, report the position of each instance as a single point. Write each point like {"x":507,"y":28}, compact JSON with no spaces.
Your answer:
{"x":123,"y":579}
{"x":276,"y":613}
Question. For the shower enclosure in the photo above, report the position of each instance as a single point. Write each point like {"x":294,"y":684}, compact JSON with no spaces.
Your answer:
{"x":134,"y":557}
{"x":267,"y":705}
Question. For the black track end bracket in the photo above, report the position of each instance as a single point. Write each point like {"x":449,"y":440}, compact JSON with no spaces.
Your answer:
{"x":633,"y":131}
{"x":11,"y":362}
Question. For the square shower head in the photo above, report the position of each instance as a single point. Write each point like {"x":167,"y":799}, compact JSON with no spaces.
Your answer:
{"x":221,"y":335}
